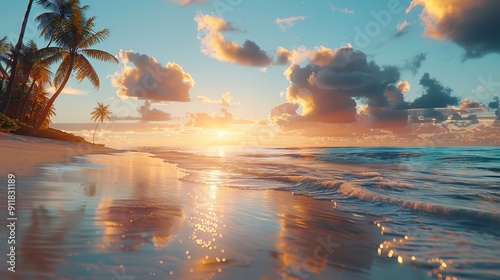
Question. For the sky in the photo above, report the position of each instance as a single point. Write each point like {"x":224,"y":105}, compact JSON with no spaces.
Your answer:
{"x":288,"y":72}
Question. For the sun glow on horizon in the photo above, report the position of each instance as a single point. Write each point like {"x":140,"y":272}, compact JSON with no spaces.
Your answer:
{"x":222,"y":133}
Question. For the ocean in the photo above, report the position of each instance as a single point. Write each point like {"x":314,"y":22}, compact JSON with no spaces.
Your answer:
{"x":437,"y":208}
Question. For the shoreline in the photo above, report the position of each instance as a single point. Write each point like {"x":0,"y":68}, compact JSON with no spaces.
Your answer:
{"x":25,"y":155}
{"x":134,"y":212}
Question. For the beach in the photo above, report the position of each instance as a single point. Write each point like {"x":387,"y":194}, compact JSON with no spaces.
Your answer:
{"x":24,"y":155}
{"x":235,"y":140}
{"x":110,"y":216}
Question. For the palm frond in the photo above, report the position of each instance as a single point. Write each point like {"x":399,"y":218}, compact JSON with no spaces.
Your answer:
{"x":84,"y":70}
{"x":101,"y":113}
{"x":62,"y":71}
{"x":50,"y":55}
{"x":100,"y":55}
{"x":95,"y":38}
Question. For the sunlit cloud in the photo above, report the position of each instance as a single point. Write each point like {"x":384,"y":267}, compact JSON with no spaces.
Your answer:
{"x":225,"y":100}
{"x":146,"y":114}
{"x":260,"y":122}
{"x":341,"y":10}
{"x":402,"y":28}
{"x":212,"y":121}
{"x":327,"y":87}
{"x":472,"y":24}
{"x":152,"y":114}
{"x":215,"y":45}
{"x":188,"y":2}
{"x":69,"y":90}
{"x":466,"y":104}
{"x":147,"y":79}
{"x":403,"y":86}
{"x":284,"y":23}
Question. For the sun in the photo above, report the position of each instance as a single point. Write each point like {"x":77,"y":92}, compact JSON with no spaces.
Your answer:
{"x":222,"y":133}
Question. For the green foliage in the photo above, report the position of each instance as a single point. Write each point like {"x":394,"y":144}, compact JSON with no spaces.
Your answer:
{"x":7,"y":124}
{"x":55,"y":134}
{"x":49,"y":133}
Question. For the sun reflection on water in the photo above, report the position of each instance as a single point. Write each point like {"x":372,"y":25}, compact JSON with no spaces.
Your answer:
{"x":391,"y":248}
{"x":207,"y":225}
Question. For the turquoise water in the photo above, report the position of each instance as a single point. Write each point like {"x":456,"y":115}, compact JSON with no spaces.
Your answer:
{"x":438,"y":208}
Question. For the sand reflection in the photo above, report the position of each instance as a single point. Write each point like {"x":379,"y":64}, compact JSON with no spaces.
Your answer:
{"x":44,"y":246}
{"x":129,"y":224}
{"x":132,"y":215}
{"x":149,"y":211}
{"x":315,"y":239}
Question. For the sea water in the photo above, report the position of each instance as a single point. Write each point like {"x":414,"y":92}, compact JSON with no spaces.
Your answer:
{"x":438,"y":208}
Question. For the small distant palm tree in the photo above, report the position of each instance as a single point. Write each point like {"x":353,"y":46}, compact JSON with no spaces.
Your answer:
{"x":99,"y":115}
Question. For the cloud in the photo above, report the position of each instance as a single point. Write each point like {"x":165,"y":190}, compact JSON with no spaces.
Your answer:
{"x":402,"y":28}
{"x":495,"y":103}
{"x":319,"y":55}
{"x":283,"y":23}
{"x":327,"y":87}
{"x":225,"y":101}
{"x":213,"y":121}
{"x":458,"y":120}
{"x":284,"y":56}
{"x":436,"y":95}
{"x":342,"y":10}
{"x":403,"y":86}
{"x":284,"y":114}
{"x":471,"y":24}
{"x":69,"y":90}
{"x":466,"y":104}
{"x":434,"y":114}
{"x":147,"y":79}
{"x":152,"y":114}
{"x":260,"y":122}
{"x":215,"y":45}
{"x":414,"y":64}
{"x":125,"y":118}
{"x":146,"y":114}
{"x":188,"y":2}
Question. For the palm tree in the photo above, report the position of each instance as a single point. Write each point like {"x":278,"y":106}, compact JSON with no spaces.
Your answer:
{"x":74,"y":36}
{"x":4,"y":51}
{"x":15,"y":55}
{"x":38,"y":101}
{"x":32,"y":71}
{"x":58,"y":17}
{"x":4,"y":66}
{"x":99,"y":115}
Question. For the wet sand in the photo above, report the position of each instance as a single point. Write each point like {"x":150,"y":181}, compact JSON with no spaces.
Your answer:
{"x":23,"y":155}
{"x":130,"y":216}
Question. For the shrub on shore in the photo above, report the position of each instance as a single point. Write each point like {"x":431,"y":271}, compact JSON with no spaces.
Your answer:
{"x":7,"y":124}
{"x":50,"y":133}
{"x":17,"y":127}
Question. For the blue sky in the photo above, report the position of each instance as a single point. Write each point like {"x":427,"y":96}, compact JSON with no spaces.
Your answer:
{"x":168,"y":32}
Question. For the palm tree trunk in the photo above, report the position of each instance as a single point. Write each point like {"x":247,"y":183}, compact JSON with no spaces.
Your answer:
{"x":93,"y":136}
{"x":15,"y":57}
{"x":18,"y":105}
{"x":34,"y":114}
{"x":46,"y":110}
{"x":23,"y":103}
